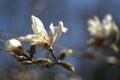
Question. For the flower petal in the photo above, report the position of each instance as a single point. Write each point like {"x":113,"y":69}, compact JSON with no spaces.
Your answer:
{"x":55,"y":32}
{"x":32,"y":38}
{"x":116,"y":32}
{"x":52,"y":32}
{"x":38,"y":27}
{"x":107,"y":23}
{"x":63,"y":29}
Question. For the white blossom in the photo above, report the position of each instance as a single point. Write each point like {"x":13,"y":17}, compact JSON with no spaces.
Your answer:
{"x":101,"y":30}
{"x":12,"y":44}
{"x":41,"y":36}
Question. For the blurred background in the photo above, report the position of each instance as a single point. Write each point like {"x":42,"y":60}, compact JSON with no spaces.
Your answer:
{"x":15,"y":18}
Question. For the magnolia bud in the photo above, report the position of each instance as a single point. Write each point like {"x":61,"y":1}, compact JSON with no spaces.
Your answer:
{"x":111,"y":60}
{"x":27,"y":62}
{"x":18,"y":57}
{"x":68,"y":66}
{"x":95,"y":42}
{"x":65,"y":53}
{"x":13,"y":45}
{"x":43,"y":60}
{"x":113,"y":47}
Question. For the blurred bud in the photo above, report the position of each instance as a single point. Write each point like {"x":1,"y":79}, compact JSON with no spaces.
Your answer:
{"x":13,"y":45}
{"x":95,"y":42}
{"x":32,"y":49}
{"x":65,"y":53}
{"x":19,"y":58}
{"x":47,"y":64}
{"x":44,"y":61}
{"x":68,"y":66}
{"x":111,"y":60}
{"x":27,"y":62}
{"x":113,"y":47}
{"x":91,"y":55}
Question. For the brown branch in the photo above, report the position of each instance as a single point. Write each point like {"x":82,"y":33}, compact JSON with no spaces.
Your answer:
{"x":53,"y":55}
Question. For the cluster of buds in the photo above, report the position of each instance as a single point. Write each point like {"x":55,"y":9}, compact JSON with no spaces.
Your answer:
{"x":40,"y":37}
{"x":105,"y":33}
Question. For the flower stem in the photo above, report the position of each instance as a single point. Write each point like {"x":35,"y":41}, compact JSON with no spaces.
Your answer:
{"x":53,"y":55}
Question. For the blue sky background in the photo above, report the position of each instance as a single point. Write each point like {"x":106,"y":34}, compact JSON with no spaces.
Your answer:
{"x":15,"y":18}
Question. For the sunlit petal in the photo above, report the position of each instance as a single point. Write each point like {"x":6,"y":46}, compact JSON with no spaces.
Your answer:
{"x":38,"y":27}
{"x":56,"y":32}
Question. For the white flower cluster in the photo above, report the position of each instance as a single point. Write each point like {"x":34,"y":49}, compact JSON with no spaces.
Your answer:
{"x":105,"y":33}
{"x":40,"y":35}
{"x":101,"y":30}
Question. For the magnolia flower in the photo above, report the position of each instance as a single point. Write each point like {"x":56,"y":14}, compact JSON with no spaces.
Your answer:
{"x":101,"y":30}
{"x":12,"y":45}
{"x":105,"y":33}
{"x":41,"y":36}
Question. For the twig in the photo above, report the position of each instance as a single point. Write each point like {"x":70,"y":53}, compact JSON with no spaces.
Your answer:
{"x":7,"y":36}
{"x":31,"y":51}
{"x":53,"y":55}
